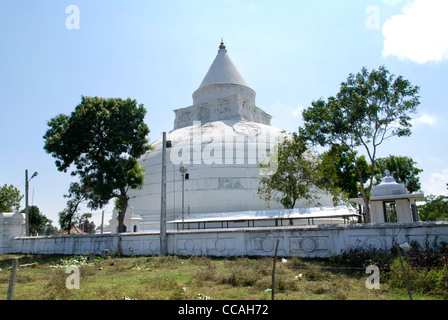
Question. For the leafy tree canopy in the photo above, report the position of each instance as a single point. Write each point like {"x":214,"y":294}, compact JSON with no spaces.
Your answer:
{"x":9,"y":198}
{"x":100,"y":143}
{"x":435,"y":208}
{"x":339,"y":172}
{"x":39,"y":223}
{"x":296,"y":176}
{"x":402,"y":169}
{"x":370,"y":108}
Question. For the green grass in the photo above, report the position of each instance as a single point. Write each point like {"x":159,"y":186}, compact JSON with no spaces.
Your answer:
{"x":190,"y":278}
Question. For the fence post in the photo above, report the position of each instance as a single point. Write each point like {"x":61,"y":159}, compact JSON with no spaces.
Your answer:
{"x":12,"y":279}
{"x":273,"y":271}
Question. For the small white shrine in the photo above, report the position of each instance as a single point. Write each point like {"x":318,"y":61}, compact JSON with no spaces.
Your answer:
{"x":11,"y":225}
{"x":391,"y":202}
{"x":131,"y":221}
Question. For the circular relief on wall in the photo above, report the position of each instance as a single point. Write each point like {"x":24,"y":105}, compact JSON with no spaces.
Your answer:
{"x":267,"y":245}
{"x":373,"y":243}
{"x":308,"y":245}
{"x":153,"y":245}
{"x":189,"y":245}
{"x":220,"y":245}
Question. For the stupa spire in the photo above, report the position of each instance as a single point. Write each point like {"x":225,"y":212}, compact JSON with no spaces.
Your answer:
{"x":222,"y":70}
{"x":222,"y":46}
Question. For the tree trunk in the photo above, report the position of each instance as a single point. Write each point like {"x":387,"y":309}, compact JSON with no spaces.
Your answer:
{"x":363,"y":193}
{"x":293,"y":203}
{"x":122,"y":213}
{"x":367,"y":209}
{"x":70,"y":226}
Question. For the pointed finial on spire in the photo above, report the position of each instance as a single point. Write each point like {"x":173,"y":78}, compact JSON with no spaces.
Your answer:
{"x":222,"y":46}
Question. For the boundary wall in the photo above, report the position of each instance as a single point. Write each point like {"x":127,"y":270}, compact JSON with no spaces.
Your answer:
{"x":309,"y":241}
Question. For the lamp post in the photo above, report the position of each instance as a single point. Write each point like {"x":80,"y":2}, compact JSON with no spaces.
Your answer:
{"x":27,"y":215}
{"x":183,"y":170}
{"x":163,"y":239}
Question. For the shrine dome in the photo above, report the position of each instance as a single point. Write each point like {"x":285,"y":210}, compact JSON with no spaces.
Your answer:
{"x":388,"y":187}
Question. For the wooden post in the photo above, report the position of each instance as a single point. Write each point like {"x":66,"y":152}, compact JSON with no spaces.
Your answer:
{"x":12,"y":279}
{"x":91,"y":256}
{"x":102,"y":222}
{"x":273,"y":271}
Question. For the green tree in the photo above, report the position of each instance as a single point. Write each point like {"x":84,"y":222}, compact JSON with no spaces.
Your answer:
{"x":338,"y":171}
{"x":39,"y":223}
{"x":370,"y":108}
{"x":66,"y":220}
{"x":85,"y":225}
{"x":9,"y":198}
{"x":402,"y":169}
{"x":77,"y":195}
{"x":50,"y":230}
{"x":296,"y":174}
{"x":100,"y":142}
{"x":435,"y":208}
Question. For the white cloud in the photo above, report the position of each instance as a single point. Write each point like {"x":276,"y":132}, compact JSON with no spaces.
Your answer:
{"x":391,"y":2}
{"x":420,"y":33}
{"x":297,"y":112}
{"x":287,"y":117}
{"x":289,"y":111}
{"x":424,"y":119}
{"x":437,"y":183}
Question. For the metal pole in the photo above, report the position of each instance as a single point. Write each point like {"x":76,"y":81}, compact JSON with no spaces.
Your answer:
{"x":183,"y":207}
{"x":163,"y":244}
{"x":27,"y":214}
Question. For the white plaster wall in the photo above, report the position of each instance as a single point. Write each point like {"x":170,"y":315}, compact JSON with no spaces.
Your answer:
{"x":220,"y":91}
{"x":377,"y":212}
{"x":135,"y":243}
{"x":311,"y":241}
{"x":404,"y":213}
{"x":228,"y":108}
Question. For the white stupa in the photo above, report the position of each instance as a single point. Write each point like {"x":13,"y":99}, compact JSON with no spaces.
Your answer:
{"x":220,"y":139}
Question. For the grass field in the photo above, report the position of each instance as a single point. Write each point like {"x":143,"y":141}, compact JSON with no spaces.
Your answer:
{"x":192,"y":278}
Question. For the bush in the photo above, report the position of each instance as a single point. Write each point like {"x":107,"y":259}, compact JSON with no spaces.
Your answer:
{"x":359,"y":260}
{"x":420,"y":279}
{"x":241,"y":277}
{"x":426,"y":268}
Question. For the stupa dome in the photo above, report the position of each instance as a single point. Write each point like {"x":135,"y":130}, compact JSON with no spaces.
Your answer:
{"x":220,"y":139}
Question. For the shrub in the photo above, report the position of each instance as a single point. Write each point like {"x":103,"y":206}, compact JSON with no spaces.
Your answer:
{"x":420,"y":280}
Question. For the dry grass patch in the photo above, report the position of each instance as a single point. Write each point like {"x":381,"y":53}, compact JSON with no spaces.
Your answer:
{"x":190,"y":278}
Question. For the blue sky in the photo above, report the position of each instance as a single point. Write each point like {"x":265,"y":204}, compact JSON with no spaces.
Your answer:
{"x":158,"y":52}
